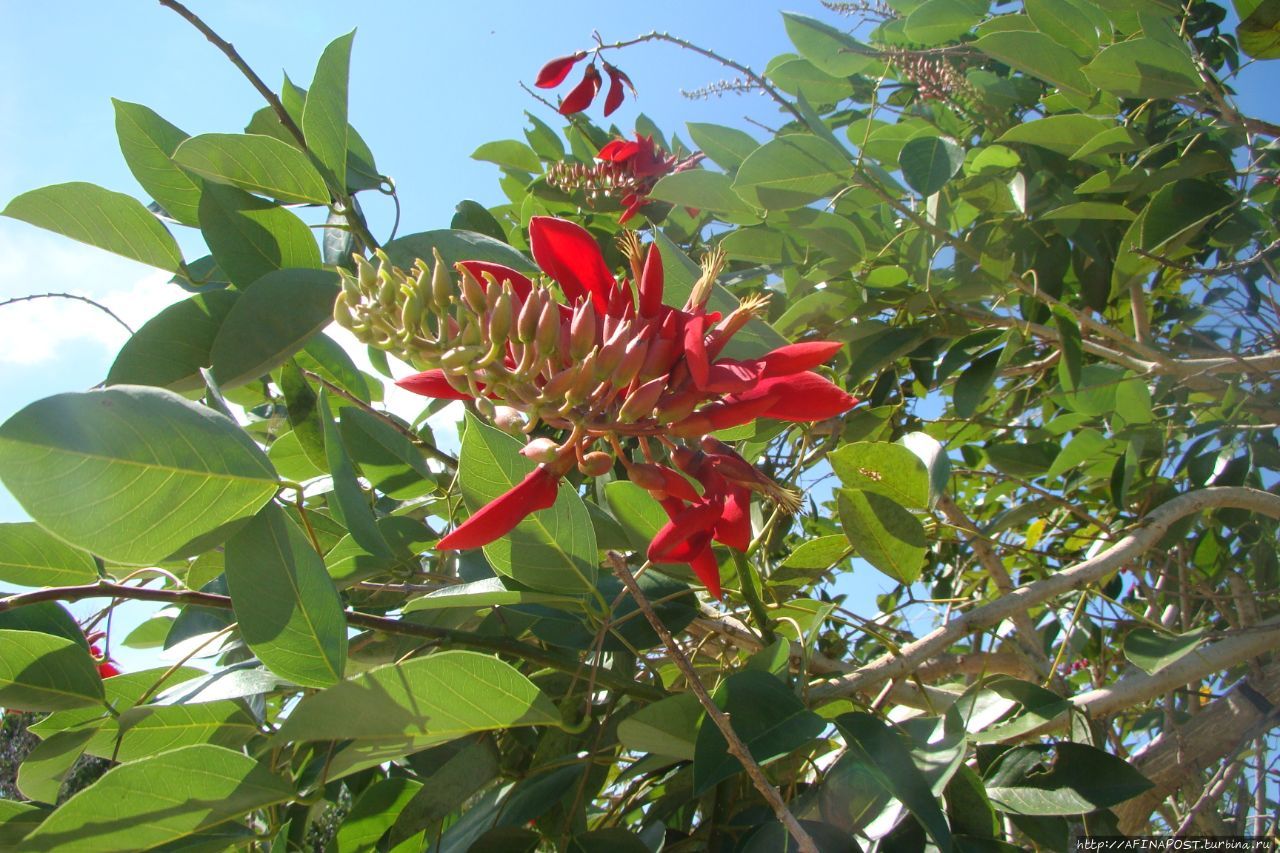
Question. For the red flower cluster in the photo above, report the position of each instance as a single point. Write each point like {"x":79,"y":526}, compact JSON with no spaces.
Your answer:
{"x":626,"y":170}
{"x":581,"y":96}
{"x":617,"y":366}
{"x":106,"y":667}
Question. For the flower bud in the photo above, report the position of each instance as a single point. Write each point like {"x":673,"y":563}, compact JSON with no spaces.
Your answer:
{"x":641,"y":402}
{"x":461,"y":356}
{"x":582,"y":330}
{"x":500,"y":318}
{"x":595,"y":464}
{"x":548,"y":336}
{"x":542,"y":450}
{"x":509,"y":420}
{"x":527,"y":322}
{"x":557,"y":386}
{"x":441,"y":281}
{"x":473,"y":294}
{"x":585,"y":380}
{"x":633,"y":358}
{"x":647,"y":477}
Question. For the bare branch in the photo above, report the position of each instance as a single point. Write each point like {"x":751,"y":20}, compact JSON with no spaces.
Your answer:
{"x":32,"y":296}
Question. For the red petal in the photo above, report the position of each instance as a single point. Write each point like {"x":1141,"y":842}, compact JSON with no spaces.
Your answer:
{"x":617,"y":151}
{"x":554,"y":72}
{"x":107,"y":669}
{"x":795,"y":358}
{"x":613,"y":100}
{"x":582,"y":94}
{"x":697,"y":519}
{"x":733,"y":377}
{"x":734,"y":527}
{"x":704,"y":565}
{"x":519,"y":282}
{"x":570,"y":255}
{"x":695,"y":350}
{"x":651,"y":283}
{"x":432,"y":383}
{"x":804,"y":397}
{"x":725,"y":414}
{"x":496,"y":518}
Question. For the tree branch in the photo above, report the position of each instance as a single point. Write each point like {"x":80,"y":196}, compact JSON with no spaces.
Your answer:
{"x":1143,"y":538}
{"x":383,"y":624}
{"x":32,"y":296}
{"x":719,"y":718}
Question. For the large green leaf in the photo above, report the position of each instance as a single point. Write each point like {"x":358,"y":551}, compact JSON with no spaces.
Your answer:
{"x":170,"y":348}
{"x":765,"y":715}
{"x":373,"y":813}
{"x":928,"y":162}
{"x":554,"y":549}
{"x":1144,"y":68}
{"x":349,"y":503}
{"x":1061,"y":133}
{"x":831,"y":50}
{"x":1036,"y":54}
{"x":667,"y":727}
{"x":885,"y":468}
{"x":159,"y":799}
{"x":792,"y":171}
{"x":324,"y":116}
{"x":1061,"y":779}
{"x":109,"y":220}
{"x":455,"y":246}
{"x":636,"y":511}
{"x":30,"y":556}
{"x":45,"y":617}
{"x":288,"y":609}
{"x":131,"y":473}
{"x":940,"y":21}
{"x":250,"y":237}
{"x":701,"y":189}
{"x":510,"y":154}
{"x":46,"y":767}
{"x":422,"y":701}
{"x":254,"y":163}
{"x":884,"y":534}
{"x":727,"y":147}
{"x":41,"y":672}
{"x":148,"y":142}
{"x":151,"y":729}
{"x":1153,"y":651}
{"x":1259,"y":31}
{"x":271,"y":321}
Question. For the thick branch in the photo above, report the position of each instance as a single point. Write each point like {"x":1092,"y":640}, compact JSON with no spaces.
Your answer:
{"x":719,"y":718}
{"x":1138,"y":541}
{"x":383,"y":624}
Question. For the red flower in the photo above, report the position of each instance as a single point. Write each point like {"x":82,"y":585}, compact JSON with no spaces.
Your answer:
{"x":554,"y":72}
{"x":106,"y":667}
{"x":582,"y":94}
{"x":617,"y":80}
{"x":627,"y":170}
{"x":536,"y":491}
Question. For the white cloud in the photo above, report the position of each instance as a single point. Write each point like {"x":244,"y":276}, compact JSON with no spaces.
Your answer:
{"x":34,"y":263}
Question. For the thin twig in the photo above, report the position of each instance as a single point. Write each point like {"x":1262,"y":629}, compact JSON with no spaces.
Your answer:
{"x":31,"y":296}
{"x":719,"y":718}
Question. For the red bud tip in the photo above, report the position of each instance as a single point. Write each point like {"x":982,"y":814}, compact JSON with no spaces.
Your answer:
{"x":582,"y":94}
{"x":432,"y":383}
{"x":554,"y":72}
{"x":617,"y":79}
{"x":495,"y":519}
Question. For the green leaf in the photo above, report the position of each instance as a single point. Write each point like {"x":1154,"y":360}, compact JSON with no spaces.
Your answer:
{"x":458,"y":771}
{"x":727,"y":147}
{"x":324,"y":116}
{"x":250,"y":237}
{"x":1259,"y":31}
{"x":1077,"y":779}
{"x":802,"y":78}
{"x":1064,"y":22}
{"x":668,"y":727}
{"x":881,"y":751}
{"x":974,"y":383}
{"x":422,"y":701}
{"x":1144,"y":68}
{"x":482,"y":594}
{"x":553,"y":550}
{"x":831,"y":50}
{"x":1086,"y":446}
{"x":883,"y":533}
{"x":41,"y":672}
{"x":820,"y":553}
{"x":1151,"y":651}
{"x":385,"y":456}
{"x":289,"y":612}
{"x":473,"y":216}
{"x":254,"y":163}
{"x":373,"y":813}
{"x":509,"y":154}
{"x":1061,"y":133}
{"x":18,"y":819}
{"x":639,"y":514}
{"x":43,"y":771}
{"x":108,"y":220}
{"x":131,"y":473}
{"x":933,"y":456}
{"x":940,"y":21}
{"x":349,"y":504}
{"x":273,"y":318}
{"x":1036,"y":54}
{"x":148,"y":142}
{"x":455,"y":246}
{"x":1091,"y":210}
{"x":30,"y":556}
{"x":765,"y":715}
{"x":887,"y":469}
{"x":45,"y":617}
{"x":160,"y":799}
{"x":151,"y":729}
{"x":122,"y":692}
{"x":928,"y":162}
{"x":792,"y":171}
{"x":170,"y":348}
{"x":701,"y":189}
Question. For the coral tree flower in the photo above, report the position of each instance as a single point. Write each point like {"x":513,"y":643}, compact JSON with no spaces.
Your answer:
{"x":603,"y":359}
{"x":625,"y":169}
{"x":581,"y":96}
{"x":555,"y":71}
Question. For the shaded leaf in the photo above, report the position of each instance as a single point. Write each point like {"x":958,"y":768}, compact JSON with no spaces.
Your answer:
{"x":883,"y":533}
{"x":250,"y":237}
{"x":30,"y":556}
{"x":324,"y":115}
{"x":258,"y":164}
{"x":170,"y":348}
{"x":41,"y":672}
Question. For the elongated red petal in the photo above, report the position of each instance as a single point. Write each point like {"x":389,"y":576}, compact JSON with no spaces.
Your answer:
{"x":704,"y":565}
{"x":496,"y":518}
{"x":613,"y":99}
{"x":519,"y":281}
{"x":570,"y":255}
{"x":796,"y":358}
{"x":651,"y":283}
{"x":698,"y":519}
{"x":107,"y":669}
{"x":581,"y":96}
{"x":695,"y":350}
{"x":733,"y":377}
{"x":432,"y":383}
{"x":734,"y":527}
{"x":618,"y":151}
{"x":554,"y":72}
{"x":804,"y":397}
{"x":723,"y":415}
